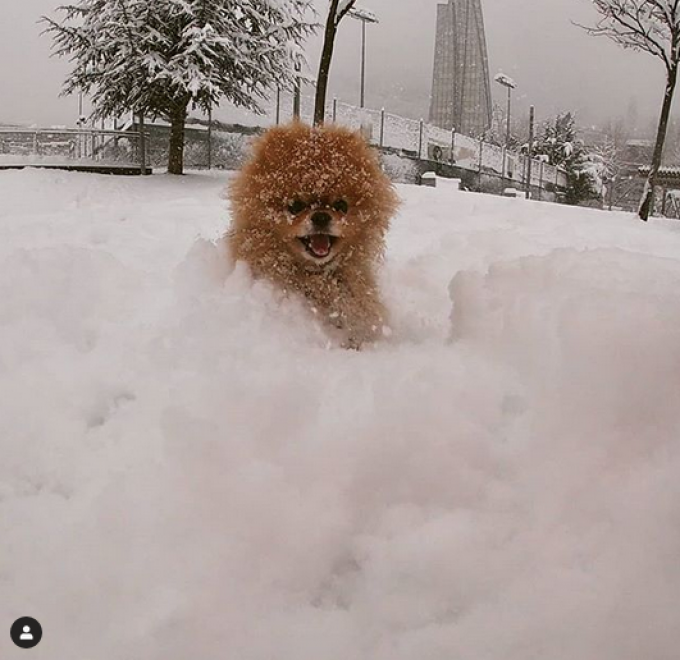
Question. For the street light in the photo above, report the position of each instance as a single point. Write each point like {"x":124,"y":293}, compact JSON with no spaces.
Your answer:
{"x":365,"y":16}
{"x":510,"y":84}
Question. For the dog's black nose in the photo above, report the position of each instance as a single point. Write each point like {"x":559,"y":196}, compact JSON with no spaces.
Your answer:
{"x":321,"y":220}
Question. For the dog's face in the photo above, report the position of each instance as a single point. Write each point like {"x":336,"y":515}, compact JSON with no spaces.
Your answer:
{"x":317,"y":194}
{"x":317,"y":228}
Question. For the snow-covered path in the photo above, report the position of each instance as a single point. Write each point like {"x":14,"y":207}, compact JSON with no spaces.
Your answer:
{"x":188,"y":470}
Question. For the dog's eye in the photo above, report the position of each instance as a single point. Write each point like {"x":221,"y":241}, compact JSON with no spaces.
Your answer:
{"x":296,"y":207}
{"x":341,"y":206}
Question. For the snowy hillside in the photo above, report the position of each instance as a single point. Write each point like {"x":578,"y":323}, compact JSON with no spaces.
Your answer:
{"x":188,"y":470}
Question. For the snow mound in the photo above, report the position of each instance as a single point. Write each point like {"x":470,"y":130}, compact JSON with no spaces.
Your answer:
{"x":606,"y":319}
{"x":191,"y":468}
{"x":594,"y":339}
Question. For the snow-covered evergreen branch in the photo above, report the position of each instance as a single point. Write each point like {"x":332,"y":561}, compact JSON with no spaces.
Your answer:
{"x":140,"y":54}
{"x":160,"y":57}
{"x":649,"y":25}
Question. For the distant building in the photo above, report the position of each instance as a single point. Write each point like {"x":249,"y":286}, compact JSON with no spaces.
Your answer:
{"x":461,"y":90}
{"x":638,"y":152}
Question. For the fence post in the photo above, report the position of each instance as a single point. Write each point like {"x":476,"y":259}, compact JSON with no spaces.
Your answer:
{"x":481,"y":156}
{"x":335,"y":110}
{"x":93,"y":140}
{"x":278,"y":105}
{"x":142,"y":145}
{"x":382,"y":127}
{"x":421,"y":126}
{"x":531,"y":149}
{"x":101,"y":142}
{"x":296,"y":94}
{"x":663,"y":201}
{"x":453,"y":146}
{"x":210,"y":135}
{"x":540,"y":183}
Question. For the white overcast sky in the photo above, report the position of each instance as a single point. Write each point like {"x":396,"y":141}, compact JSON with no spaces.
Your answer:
{"x":557,"y":66}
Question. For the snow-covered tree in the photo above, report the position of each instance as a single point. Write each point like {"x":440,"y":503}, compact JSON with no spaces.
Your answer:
{"x":497,"y":132}
{"x":652,"y":26}
{"x":162,"y":57}
{"x":560,"y":143}
{"x":612,"y":147}
{"x":337,"y":10}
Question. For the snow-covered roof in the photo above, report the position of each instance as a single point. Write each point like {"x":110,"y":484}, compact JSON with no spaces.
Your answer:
{"x":664,"y":175}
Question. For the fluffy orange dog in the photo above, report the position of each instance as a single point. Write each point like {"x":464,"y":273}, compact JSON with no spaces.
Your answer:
{"x":310,"y":212}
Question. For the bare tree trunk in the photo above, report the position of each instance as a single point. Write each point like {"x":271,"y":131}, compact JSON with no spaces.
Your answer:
{"x":325,"y":64}
{"x":178,"y":118}
{"x":648,"y":194}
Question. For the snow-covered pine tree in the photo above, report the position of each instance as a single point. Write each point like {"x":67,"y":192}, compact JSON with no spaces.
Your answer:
{"x":652,"y":26}
{"x":162,"y":57}
{"x":611,"y":154}
{"x":559,"y":141}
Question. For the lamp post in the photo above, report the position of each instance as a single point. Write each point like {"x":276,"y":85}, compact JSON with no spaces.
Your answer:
{"x":510,"y":84}
{"x":365,"y":16}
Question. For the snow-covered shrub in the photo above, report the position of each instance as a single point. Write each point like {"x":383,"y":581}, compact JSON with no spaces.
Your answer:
{"x":560,"y":143}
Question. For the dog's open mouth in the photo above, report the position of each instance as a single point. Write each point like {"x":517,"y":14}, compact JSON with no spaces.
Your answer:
{"x":318,"y":245}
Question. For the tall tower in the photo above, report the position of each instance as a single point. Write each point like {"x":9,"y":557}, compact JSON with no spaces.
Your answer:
{"x":461,"y":91}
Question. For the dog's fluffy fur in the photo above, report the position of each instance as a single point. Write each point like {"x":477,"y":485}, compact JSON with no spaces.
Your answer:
{"x":310,"y":212}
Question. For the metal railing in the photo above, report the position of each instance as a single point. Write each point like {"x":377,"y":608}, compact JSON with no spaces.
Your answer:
{"x":427,"y":142}
{"x":54,"y":146}
{"x":415,"y":139}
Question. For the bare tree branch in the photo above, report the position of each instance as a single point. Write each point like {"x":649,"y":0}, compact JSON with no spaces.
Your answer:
{"x":652,"y":26}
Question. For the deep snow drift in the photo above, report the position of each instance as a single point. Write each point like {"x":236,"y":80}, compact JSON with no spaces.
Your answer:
{"x":189,"y":470}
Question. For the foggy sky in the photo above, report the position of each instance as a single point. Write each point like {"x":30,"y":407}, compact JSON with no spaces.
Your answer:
{"x":556,"y":65}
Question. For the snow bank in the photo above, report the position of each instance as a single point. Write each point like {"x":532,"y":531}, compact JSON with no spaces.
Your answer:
{"x":594,"y":341}
{"x":191,"y":470}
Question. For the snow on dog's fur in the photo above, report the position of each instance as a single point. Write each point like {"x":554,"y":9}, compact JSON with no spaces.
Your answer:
{"x":310,"y":212}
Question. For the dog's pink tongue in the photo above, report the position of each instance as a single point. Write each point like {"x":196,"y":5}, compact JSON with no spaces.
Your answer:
{"x":320,"y":244}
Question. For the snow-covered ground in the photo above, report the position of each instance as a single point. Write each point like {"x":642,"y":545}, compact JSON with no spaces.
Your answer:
{"x":188,"y":470}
